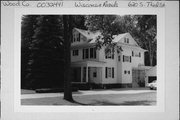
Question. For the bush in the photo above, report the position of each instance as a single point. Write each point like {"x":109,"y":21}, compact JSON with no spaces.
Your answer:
{"x":53,"y":90}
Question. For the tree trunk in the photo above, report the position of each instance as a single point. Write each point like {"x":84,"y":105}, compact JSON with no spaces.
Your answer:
{"x":67,"y":69}
{"x":151,"y":59}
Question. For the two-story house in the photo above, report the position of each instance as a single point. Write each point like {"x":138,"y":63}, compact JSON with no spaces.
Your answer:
{"x":90,"y":65}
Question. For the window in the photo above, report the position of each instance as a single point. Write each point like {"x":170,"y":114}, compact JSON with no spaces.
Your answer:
{"x":124,"y":40}
{"x":76,"y":37}
{"x":109,"y":54}
{"x":119,"y":58}
{"x":128,"y":72}
{"x":75,"y":52}
{"x":79,"y":37}
{"x":137,"y":54}
{"x":94,"y":74}
{"x":109,"y":72}
{"x":127,"y":40}
{"x":86,"y":53}
{"x":125,"y":72}
{"x":126,"y":58}
{"x":89,"y":53}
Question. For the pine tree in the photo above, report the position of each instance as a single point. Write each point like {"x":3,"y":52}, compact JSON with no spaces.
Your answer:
{"x":47,"y":52}
{"x":28,"y":26}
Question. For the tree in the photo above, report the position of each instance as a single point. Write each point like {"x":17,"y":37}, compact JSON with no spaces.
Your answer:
{"x":46,"y":59}
{"x":67,"y":22}
{"x":147,"y":32}
{"x":141,"y":27}
{"x":28,"y":26}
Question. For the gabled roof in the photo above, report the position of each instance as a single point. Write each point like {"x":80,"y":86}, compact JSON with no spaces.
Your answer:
{"x":91,"y":38}
{"x":88,"y":34}
{"x":118,"y":37}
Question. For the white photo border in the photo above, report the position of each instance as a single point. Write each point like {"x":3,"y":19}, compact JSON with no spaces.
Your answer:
{"x":160,"y":12}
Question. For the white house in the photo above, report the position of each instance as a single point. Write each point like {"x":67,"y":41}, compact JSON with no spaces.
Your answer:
{"x":90,"y":65}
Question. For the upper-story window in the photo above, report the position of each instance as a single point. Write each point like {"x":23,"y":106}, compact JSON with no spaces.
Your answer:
{"x":89,"y":53}
{"x":75,"y":52}
{"x":126,"y":40}
{"x":132,"y":53}
{"x":136,"y":54}
{"x":76,"y":37}
{"x":119,"y":58}
{"x":126,"y":58}
{"x":79,"y":37}
{"x":109,"y":54}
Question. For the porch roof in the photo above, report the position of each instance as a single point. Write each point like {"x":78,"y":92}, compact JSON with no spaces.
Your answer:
{"x":89,"y":63}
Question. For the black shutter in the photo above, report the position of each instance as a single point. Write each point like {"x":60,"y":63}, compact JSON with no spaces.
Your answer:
{"x":106,"y":72}
{"x":94,"y":52}
{"x":79,"y":37}
{"x":83,"y":53}
{"x":112,"y":72}
{"x":132,"y":53}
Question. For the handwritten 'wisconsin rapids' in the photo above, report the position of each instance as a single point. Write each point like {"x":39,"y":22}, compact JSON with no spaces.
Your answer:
{"x":104,"y":4}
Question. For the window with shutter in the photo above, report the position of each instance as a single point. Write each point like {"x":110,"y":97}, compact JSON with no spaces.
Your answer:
{"x":119,"y":58}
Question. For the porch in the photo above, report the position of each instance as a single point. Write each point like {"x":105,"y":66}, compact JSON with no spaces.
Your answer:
{"x":87,"y":71}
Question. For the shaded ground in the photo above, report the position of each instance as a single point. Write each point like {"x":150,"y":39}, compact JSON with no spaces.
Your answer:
{"x":104,"y":97}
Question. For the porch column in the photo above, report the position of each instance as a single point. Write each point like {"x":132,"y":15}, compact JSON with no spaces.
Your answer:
{"x":81,"y":74}
{"x":86,"y":73}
